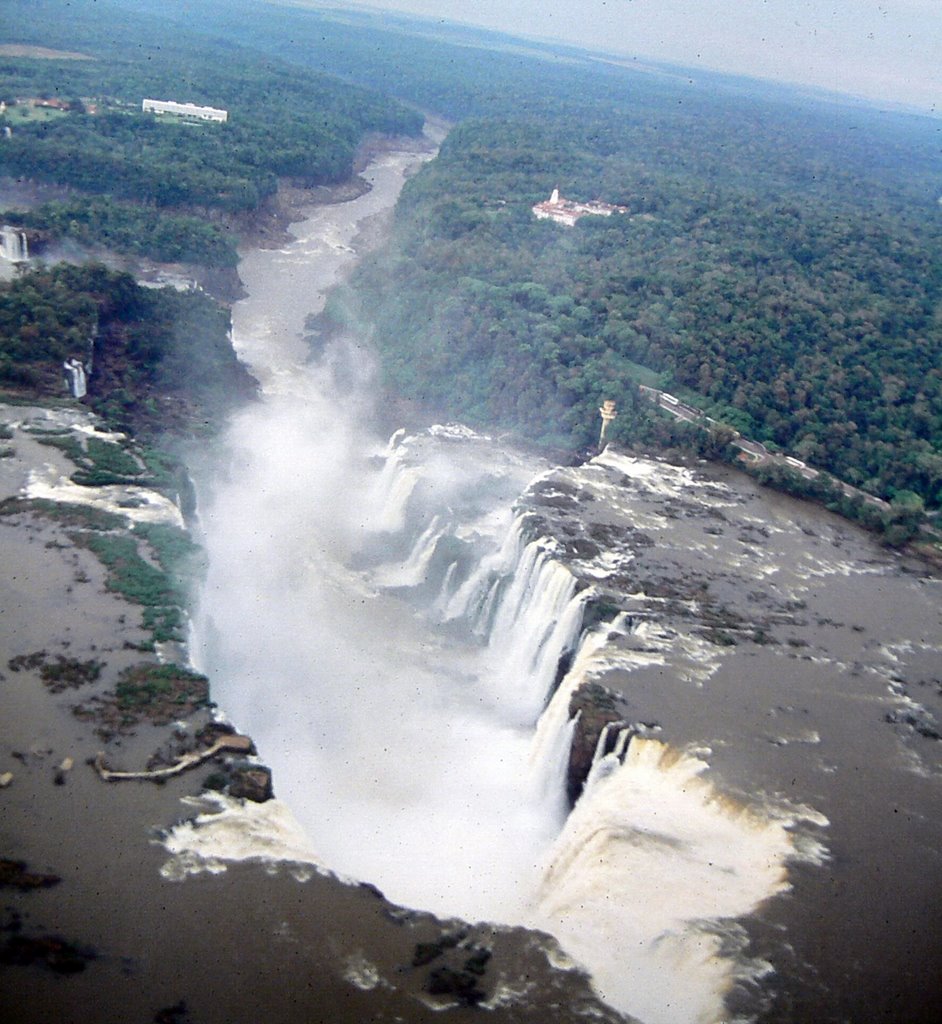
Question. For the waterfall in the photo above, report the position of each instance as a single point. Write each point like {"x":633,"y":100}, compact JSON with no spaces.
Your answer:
{"x":475,"y":600}
{"x":13,"y":244}
{"x":392,"y":492}
{"x":414,"y":571}
{"x":649,"y":871}
{"x":595,"y":655}
{"x":645,"y":881}
{"x":417,"y":766}
{"x":522,"y":601}
{"x":549,"y":752}
{"x":433,"y":748}
{"x":75,"y":377}
{"x":537,"y":621}
{"x":395,"y":698}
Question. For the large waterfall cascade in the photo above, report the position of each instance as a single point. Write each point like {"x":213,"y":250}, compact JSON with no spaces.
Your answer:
{"x":419,"y":727}
{"x":392,"y":635}
{"x":643,"y":880}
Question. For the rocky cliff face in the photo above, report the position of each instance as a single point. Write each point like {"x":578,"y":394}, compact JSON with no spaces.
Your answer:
{"x":596,"y":710}
{"x":81,"y":686}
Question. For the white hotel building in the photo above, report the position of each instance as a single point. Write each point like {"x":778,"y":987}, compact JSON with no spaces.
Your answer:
{"x":185,"y":110}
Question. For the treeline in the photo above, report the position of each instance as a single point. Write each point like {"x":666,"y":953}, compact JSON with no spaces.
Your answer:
{"x":897,"y":524}
{"x":159,"y":359}
{"x":658,"y":119}
{"x":782,"y":259}
{"x":131,"y":228}
{"x":808,"y":315}
{"x":284,"y":121}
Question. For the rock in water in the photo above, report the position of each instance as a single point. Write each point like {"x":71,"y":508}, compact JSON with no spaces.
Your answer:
{"x":251,"y":782}
{"x":596,"y":707}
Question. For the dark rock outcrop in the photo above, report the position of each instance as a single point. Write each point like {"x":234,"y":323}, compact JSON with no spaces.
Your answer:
{"x":596,"y":707}
{"x":464,"y":968}
{"x":460,"y":985}
{"x":19,"y":948}
{"x":14,"y":874}
{"x":251,"y":782}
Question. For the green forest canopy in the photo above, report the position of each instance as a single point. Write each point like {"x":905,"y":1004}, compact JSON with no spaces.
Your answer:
{"x":284,"y":121}
{"x":131,"y":228}
{"x":162,"y":358}
{"x":781,"y":259}
{"x":812,"y":323}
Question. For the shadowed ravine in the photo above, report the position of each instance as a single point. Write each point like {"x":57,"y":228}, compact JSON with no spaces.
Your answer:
{"x":390,"y":620}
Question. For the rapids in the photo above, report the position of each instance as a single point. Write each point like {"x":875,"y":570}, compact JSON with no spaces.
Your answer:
{"x":400,"y":625}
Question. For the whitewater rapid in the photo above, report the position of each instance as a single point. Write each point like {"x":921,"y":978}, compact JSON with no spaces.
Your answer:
{"x":383,"y":621}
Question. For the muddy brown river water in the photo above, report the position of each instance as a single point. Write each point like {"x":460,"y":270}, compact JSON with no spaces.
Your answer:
{"x":390,"y":622}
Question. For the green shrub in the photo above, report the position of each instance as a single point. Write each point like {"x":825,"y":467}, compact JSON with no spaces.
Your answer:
{"x":69,"y":444}
{"x":68,"y":514}
{"x":112,"y":458}
{"x":161,"y":690}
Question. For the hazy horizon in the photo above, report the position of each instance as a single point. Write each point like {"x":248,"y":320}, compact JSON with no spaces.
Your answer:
{"x":884,"y":52}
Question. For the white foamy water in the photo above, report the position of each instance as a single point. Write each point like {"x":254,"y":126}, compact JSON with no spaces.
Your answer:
{"x":231,"y":830}
{"x":139,"y":504}
{"x":405,"y":739}
{"x":52,"y":482}
{"x":652,"y":866}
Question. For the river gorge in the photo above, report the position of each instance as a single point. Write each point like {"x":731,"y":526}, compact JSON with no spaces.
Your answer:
{"x":420,"y":631}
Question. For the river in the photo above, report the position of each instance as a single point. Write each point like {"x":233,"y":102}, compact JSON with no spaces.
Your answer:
{"x":388,"y":619}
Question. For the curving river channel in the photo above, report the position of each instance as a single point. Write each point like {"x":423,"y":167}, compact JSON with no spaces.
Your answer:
{"x":402,"y":623}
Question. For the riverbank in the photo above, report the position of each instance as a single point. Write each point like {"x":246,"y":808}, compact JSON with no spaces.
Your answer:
{"x":265,"y":227}
{"x":99,"y":921}
{"x":269,"y":227}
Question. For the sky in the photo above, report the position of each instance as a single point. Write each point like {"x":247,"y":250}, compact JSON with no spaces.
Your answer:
{"x":887,"y":51}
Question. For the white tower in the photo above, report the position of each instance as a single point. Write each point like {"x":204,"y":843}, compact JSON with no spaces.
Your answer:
{"x":608,"y":414}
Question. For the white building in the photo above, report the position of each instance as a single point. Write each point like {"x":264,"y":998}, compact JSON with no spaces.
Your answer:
{"x":185,"y":110}
{"x":565,"y":211}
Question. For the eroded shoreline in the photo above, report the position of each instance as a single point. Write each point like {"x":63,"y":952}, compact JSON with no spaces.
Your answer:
{"x":118,"y":937}
{"x":340,"y":952}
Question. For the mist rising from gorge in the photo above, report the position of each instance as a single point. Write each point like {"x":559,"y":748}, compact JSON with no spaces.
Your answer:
{"x":402,"y":732}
